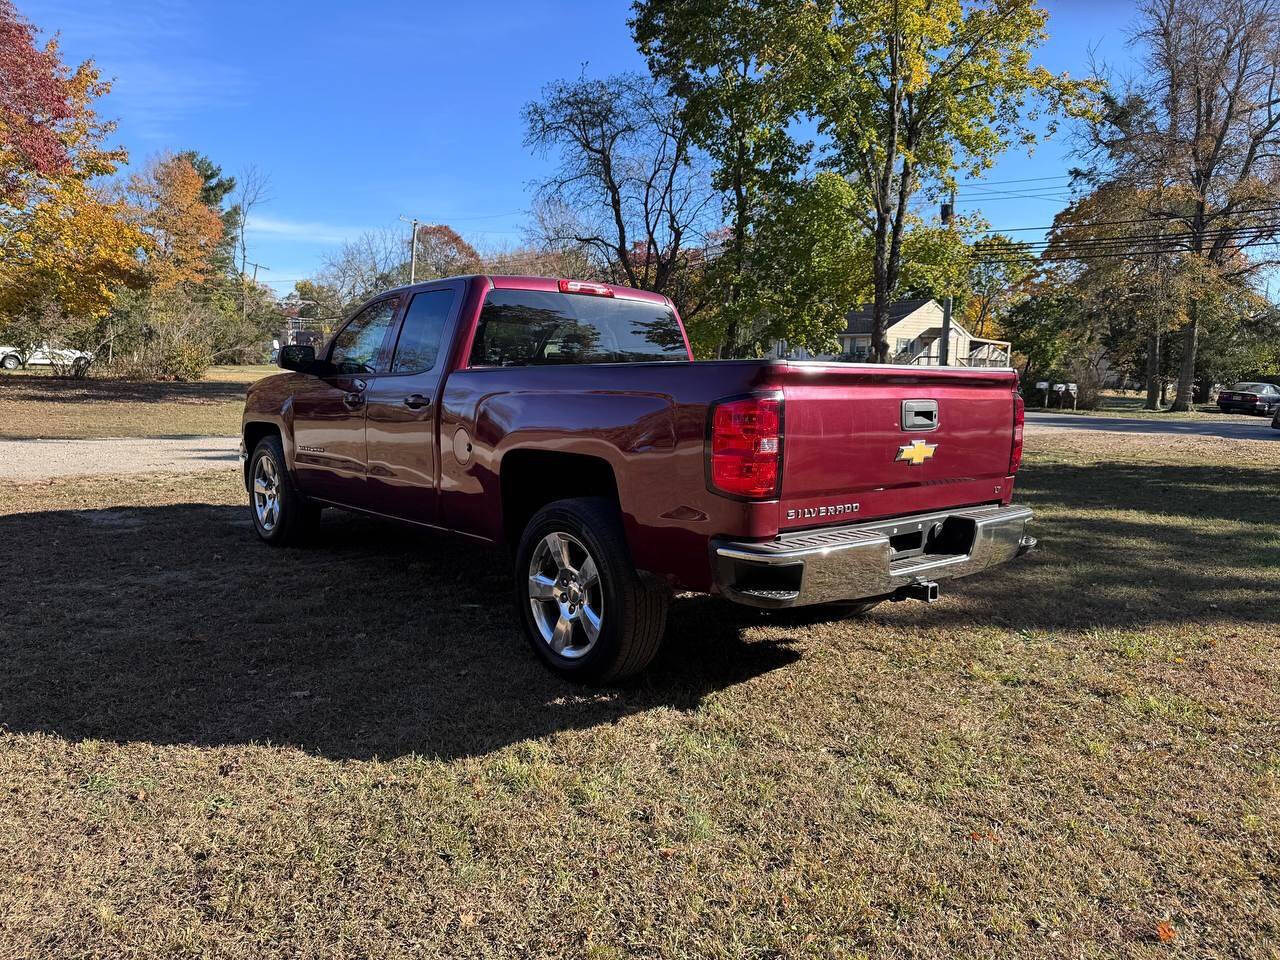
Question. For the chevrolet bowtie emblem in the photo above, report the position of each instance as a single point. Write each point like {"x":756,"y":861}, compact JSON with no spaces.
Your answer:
{"x":916,"y":452}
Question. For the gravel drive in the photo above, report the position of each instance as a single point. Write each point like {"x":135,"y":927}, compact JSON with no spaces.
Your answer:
{"x":23,"y":461}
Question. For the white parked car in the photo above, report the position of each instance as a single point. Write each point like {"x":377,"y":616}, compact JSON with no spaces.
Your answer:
{"x":42,"y":356}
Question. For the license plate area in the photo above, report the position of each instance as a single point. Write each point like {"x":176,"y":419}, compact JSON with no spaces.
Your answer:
{"x":929,"y":536}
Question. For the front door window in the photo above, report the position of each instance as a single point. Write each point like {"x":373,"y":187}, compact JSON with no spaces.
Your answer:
{"x":358,"y":346}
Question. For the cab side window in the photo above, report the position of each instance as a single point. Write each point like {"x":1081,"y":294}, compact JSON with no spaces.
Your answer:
{"x":358,"y":345}
{"x":422,"y":332}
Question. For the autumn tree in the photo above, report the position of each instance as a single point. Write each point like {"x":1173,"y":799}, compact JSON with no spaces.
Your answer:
{"x":999,"y":271}
{"x":1196,"y":139}
{"x":185,"y":230}
{"x":41,"y":102}
{"x":443,"y":253}
{"x":67,"y":243}
{"x":911,"y":92}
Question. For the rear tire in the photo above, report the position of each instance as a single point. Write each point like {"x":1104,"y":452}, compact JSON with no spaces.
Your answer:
{"x":10,"y":362}
{"x":281,"y":515}
{"x":586,"y":611}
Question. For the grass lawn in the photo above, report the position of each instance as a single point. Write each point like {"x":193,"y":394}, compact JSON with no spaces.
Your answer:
{"x":214,"y":748}
{"x":38,"y":405}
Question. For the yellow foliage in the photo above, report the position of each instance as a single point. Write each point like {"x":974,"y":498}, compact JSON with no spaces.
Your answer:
{"x":73,"y":249}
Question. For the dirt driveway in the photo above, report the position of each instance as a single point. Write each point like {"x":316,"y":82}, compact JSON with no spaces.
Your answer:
{"x":25,"y":461}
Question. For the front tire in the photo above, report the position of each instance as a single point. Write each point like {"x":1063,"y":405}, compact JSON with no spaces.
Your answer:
{"x":11,"y":362}
{"x":587,"y":612}
{"x":281,"y":515}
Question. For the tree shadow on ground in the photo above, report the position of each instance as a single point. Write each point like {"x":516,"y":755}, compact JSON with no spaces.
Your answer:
{"x":39,"y":389}
{"x":174,"y":625}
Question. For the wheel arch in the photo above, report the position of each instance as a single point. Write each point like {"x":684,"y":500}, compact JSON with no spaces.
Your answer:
{"x":253,"y":433}
{"x":531,"y":478}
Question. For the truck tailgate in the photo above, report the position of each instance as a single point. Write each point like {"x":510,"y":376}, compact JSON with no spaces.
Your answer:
{"x":849,"y":456}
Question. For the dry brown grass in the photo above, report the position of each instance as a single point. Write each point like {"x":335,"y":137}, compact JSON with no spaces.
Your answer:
{"x":38,"y":405}
{"x":215,"y":748}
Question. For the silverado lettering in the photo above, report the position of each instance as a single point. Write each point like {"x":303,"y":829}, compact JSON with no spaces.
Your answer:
{"x":835,"y":510}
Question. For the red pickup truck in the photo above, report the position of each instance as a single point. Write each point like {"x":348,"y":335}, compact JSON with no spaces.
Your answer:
{"x":568,"y":420}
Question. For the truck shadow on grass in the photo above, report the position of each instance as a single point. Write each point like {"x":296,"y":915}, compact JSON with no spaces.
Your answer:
{"x":48,"y":389}
{"x":174,"y":625}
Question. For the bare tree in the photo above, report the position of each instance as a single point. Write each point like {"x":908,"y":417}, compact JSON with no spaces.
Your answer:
{"x":1199,"y":137}
{"x":374,"y":261}
{"x":628,"y":190}
{"x":254,"y":190}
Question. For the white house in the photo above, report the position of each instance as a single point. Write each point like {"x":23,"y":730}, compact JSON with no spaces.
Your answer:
{"x":914,"y":332}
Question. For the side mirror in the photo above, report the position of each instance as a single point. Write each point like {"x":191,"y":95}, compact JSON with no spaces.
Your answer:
{"x":298,"y":357}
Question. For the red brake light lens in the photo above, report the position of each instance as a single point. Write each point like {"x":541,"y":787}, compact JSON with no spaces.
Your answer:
{"x":582,"y":286}
{"x":746,"y":447}
{"x":1019,"y":420}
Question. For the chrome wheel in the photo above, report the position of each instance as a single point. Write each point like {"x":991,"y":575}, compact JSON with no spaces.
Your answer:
{"x":565,"y":595}
{"x":266,"y":493}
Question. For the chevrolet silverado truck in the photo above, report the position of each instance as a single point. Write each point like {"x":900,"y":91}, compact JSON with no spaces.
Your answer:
{"x":568,"y":421}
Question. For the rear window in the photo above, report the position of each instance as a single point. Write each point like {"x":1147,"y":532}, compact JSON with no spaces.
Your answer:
{"x":1251,"y":387}
{"x":532,"y":327}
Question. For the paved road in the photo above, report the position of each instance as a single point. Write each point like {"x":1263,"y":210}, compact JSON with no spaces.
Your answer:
{"x":1253,"y":428}
{"x":25,"y":460}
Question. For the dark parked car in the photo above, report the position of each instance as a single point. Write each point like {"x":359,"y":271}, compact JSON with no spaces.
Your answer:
{"x":1250,"y":397}
{"x":568,"y":421}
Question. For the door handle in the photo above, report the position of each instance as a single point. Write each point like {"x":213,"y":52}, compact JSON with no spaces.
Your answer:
{"x":416,"y":401}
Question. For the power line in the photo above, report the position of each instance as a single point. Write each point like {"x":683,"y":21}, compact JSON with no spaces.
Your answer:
{"x":1068,"y":257}
{"x":1150,"y":218}
{"x":1270,"y":226}
{"x":963,"y":184}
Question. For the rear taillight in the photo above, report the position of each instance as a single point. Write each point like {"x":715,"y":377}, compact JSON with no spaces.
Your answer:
{"x":1019,"y":419}
{"x":746,"y":447}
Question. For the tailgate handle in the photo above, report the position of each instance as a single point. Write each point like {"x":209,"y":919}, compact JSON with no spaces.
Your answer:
{"x":919,"y":414}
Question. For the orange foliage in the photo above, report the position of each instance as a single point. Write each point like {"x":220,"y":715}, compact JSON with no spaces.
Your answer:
{"x":184,"y":230}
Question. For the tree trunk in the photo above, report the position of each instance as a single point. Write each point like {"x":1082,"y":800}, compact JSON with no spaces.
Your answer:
{"x":1185,"y":399}
{"x":879,"y":316}
{"x":1153,"y":372}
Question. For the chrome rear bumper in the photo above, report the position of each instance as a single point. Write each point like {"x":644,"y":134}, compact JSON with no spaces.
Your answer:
{"x":883,"y":558}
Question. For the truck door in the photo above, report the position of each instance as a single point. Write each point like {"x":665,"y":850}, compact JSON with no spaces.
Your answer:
{"x":330,"y":459}
{"x":401,"y":422}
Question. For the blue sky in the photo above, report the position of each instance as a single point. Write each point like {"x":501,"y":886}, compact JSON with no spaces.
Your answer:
{"x":362,"y":112}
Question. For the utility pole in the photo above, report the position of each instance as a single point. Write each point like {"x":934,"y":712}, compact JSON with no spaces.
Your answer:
{"x":244,"y":287}
{"x":413,"y":249}
{"x":944,"y":352}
